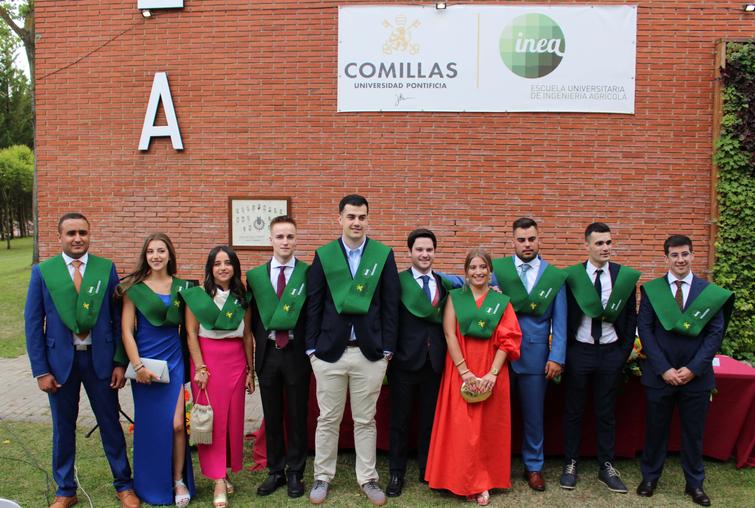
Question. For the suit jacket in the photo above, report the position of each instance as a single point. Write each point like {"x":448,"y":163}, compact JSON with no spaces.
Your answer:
{"x":418,"y":338}
{"x":327,"y":331}
{"x":534,"y":351}
{"x":666,"y":350}
{"x":50,"y":343}
{"x":262,"y":340}
{"x":625,"y":324}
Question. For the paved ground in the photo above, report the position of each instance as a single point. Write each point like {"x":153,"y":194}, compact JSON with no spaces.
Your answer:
{"x":20,"y":399}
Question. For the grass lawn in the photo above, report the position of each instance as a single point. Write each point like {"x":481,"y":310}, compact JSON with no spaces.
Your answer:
{"x":25,"y":469}
{"x":15,"y":269}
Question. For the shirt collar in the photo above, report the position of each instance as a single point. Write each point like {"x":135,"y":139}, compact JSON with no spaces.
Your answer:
{"x":534,"y":263}
{"x":275,"y":264}
{"x":672,"y":278}
{"x":358,"y":250}
{"x":591,"y":268}
{"x":83,"y":258}
{"x":417,"y":274}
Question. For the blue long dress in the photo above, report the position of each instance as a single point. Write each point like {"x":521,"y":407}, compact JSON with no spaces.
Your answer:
{"x":154,"y":406}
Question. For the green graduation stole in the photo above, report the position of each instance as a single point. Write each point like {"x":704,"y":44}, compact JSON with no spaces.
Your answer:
{"x":698,"y":313}
{"x":153,"y":308}
{"x":535,"y":302}
{"x":284,"y":313}
{"x":415,"y":300}
{"x":478,"y":322}
{"x":584,"y":291}
{"x":208,"y":314}
{"x":353,"y":295}
{"x":78,"y":312}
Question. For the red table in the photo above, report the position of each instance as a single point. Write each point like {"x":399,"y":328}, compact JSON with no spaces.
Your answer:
{"x":729,"y":427}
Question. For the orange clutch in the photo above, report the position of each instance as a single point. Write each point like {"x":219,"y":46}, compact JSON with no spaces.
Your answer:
{"x":472,"y":396}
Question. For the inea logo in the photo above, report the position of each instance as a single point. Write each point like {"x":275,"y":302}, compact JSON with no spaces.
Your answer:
{"x":532,"y":45}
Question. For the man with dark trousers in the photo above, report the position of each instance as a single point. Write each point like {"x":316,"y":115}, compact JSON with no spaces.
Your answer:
{"x":353,"y":293}
{"x":681,"y":322}
{"x":278,"y":292}
{"x":73,"y":337}
{"x":602,"y":309}
{"x":415,"y":371}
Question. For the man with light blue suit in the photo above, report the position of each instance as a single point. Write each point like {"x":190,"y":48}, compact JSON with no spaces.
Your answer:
{"x":73,"y":332}
{"x":538,"y":296}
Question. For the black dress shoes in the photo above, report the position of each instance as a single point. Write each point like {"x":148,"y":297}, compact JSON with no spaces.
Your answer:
{"x":295,"y":484}
{"x":698,"y":495}
{"x":645,"y":489}
{"x":395,"y":485}
{"x":271,"y":484}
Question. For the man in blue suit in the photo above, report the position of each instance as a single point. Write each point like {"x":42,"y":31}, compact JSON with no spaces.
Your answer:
{"x":681,"y":323}
{"x":73,"y":331}
{"x":539,"y":298}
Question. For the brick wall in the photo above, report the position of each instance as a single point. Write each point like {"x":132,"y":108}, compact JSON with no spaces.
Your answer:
{"x":254,"y":86}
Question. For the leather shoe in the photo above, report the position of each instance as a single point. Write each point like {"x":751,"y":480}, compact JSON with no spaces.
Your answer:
{"x":698,"y":495}
{"x":645,"y":489}
{"x":535,"y":480}
{"x":128,"y":499}
{"x":395,"y":485}
{"x":271,"y":484}
{"x":64,"y":501}
{"x":295,"y":484}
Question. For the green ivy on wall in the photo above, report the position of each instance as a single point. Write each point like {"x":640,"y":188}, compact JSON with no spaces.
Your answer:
{"x":735,"y":246}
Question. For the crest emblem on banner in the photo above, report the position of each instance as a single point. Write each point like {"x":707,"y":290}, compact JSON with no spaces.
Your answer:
{"x":400,"y":38}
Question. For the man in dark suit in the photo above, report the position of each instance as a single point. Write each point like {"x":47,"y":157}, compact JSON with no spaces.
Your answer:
{"x":278,"y":295}
{"x":352,"y":319}
{"x":602,"y":318}
{"x":681,"y":325}
{"x":415,"y":371}
{"x":73,"y":332}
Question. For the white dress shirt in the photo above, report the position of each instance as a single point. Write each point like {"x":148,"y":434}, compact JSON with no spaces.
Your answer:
{"x":685,"y":287}
{"x":531,"y":273}
{"x":353,"y":257}
{"x":86,"y":341}
{"x":608,"y":332}
{"x":432,"y":283}
{"x":287,"y":271}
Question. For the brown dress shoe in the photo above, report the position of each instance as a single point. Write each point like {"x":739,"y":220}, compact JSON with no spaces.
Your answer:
{"x":64,"y":501}
{"x":128,"y":499}
{"x":535,"y":480}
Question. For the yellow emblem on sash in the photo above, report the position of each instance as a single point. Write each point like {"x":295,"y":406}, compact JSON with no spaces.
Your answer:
{"x":533,"y":305}
{"x":85,"y":305}
{"x":687,"y":325}
{"x":286,"y":308}
{"x":481,"y":323}
{"x":360,"y":287}
{"x":229,"y":315}
{"x":176,"y":303}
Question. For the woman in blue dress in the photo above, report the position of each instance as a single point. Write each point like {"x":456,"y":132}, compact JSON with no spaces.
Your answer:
{"x":151,"y":315}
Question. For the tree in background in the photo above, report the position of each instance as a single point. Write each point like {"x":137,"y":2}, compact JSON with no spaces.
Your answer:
{"x":16,"y":180}
{"x":15,"y":96}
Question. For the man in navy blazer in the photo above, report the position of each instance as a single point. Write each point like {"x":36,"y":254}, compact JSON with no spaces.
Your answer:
{"x":678,"y":371}
{"x":62,"y":360}
{"x":350,"y":349}
{"x":539,"y":362}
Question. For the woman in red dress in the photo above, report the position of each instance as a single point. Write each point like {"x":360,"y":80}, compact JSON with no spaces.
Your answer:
{"x":470,"y":447}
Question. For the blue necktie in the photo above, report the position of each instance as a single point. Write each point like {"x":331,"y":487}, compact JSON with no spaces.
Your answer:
{"x":523,"y":275}
{"x":426,"y":287}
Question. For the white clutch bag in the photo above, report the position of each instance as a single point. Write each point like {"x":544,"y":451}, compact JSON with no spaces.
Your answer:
{"x":158,"y":367}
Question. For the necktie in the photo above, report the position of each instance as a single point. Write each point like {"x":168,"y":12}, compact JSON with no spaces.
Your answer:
{"x":77,"y":278}
{"x":281,"y":336}
{"x":597,"y":323}
{"x":523,"y":274}
{"x":426,"y":287}
{"x":679,"y":295}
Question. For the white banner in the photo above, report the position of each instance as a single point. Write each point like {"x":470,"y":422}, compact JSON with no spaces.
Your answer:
{"x":487,"y":58}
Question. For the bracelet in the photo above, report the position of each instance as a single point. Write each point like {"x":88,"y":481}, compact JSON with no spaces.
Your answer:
{"x":462,"y":373}
{"x":138,"y":367}
{"x":459,"y":362}
{"x":495,"y":371}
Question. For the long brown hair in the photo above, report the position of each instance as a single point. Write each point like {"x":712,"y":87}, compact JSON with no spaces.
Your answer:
{"x":142,"y":266}
{"x":477,"y":252}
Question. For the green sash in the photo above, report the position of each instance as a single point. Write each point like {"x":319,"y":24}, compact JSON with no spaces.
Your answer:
{"x":415,"y":300}
{"x":589,"y":301}
{"x":478,"y":322}
{"x":698,"y":313}
{"x":153,"y":307}
{"x":284,"y":313}
{"x":78,"y":312}
{"x":537,"y":301}
{"x":353,"y":296}
{"x":208,"y":314}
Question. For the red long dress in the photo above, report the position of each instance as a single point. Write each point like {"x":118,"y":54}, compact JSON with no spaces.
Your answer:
{"x":470,"y":447}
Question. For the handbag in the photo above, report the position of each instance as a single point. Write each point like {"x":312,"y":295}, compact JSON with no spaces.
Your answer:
{"x":158,"y":367}
{"x":201,"y":421}
{"x":472,"y":396}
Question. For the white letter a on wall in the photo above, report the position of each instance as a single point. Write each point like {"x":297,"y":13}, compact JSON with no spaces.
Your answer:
{"x":160,"y":91}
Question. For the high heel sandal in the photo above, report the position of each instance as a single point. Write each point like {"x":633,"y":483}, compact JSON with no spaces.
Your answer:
{"x":228,"y":486}
{"x":483,"y":498}
{"x":182,"y":500}
{"x":220,"y":500}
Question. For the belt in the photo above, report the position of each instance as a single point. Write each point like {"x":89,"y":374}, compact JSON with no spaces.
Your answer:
{"x":82,"y":347}
{"x":352,"y":343}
